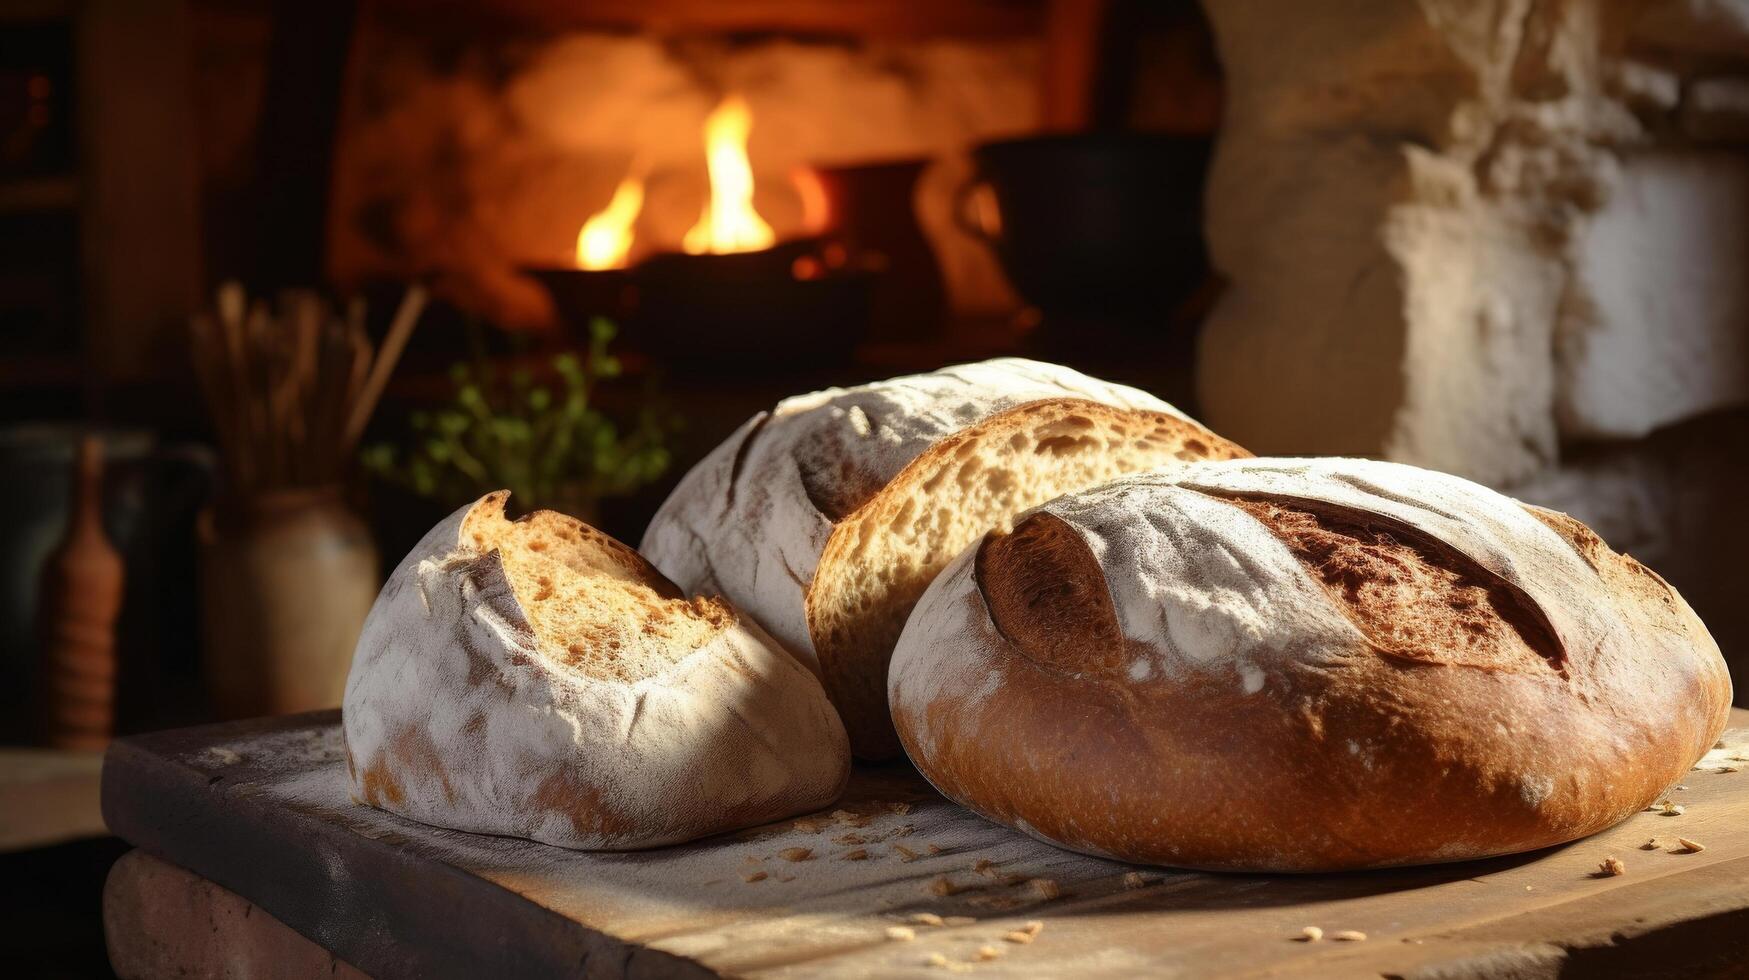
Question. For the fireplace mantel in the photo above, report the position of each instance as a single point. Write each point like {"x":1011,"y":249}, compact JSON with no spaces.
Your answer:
{"x":851,"y":18}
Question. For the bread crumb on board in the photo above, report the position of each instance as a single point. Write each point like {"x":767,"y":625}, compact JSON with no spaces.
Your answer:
{"x":903,"y":934}
{"x":982,"y":866}
{"x":906,"y":855}
{"x":1349,"y":936}
{"x":1652,"y":844}
{"x":943,"y":887}
{"x":811,"y":825}
{"x":988,"y":952}
{"x":934,"y":848}
{"x":848,"y":839}
{"x":1134,"y":879}
{"x":1310,"y":934}
{"x":754,"y":876}
{"x":926,"y":919}
{"x":1671,"y":808}
{"x":853,"y":819}
{"x":1045,"y":888}
{"x":1610,"y":867}
{"x":899,"y":808}
{"x":860,"y":854}
{"x":796,"y":854}
{"x":1025,"y":934}
{"x":1688,"y":846}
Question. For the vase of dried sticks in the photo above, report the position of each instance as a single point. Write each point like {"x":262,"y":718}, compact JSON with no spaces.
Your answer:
{"x":288,"y":571}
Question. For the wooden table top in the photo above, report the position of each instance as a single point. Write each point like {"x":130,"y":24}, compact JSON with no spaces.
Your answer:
{"x":261,"y":808}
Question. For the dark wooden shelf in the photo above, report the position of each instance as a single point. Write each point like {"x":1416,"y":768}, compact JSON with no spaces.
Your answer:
{"x":33,"y":194}
{"x":41,"y":371}
{"x":23,"y":11}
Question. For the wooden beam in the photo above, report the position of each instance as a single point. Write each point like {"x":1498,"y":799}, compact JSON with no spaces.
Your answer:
{"x":856,"y":18}
{"x":1074,"y":32}
{"x":305,"y":74}
{"x":139,"y":213}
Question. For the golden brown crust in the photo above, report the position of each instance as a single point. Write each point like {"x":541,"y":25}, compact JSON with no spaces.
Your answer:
{"x":1014,"y":696}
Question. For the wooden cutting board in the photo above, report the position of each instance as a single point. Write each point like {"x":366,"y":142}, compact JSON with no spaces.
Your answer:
{"x":261,"y":809}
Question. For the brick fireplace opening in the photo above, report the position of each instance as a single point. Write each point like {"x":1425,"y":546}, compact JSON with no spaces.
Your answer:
{"x":470,"y":147}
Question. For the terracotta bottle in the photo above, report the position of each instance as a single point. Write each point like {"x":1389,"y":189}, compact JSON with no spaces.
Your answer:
{"x":79,"y":599}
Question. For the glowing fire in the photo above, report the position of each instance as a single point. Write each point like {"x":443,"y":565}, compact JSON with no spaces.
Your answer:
{"x":606,"y":237}
{"x":729,"y":223}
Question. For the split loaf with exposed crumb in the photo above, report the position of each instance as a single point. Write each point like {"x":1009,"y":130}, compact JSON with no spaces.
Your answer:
{"x":536,"y":678}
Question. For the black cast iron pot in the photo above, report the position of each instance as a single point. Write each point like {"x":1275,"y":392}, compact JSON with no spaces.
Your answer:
{"x":1095,"y":226}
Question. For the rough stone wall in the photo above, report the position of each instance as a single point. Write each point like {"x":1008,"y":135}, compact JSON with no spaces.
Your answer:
{"x":1507,"y":239}
{"x":1459,"y":233}
{"x":1655,"y":327}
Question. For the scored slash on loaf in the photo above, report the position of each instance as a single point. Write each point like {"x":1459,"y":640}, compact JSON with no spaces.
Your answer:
{"x":826,"y":518}
{"x":1302,"y":665}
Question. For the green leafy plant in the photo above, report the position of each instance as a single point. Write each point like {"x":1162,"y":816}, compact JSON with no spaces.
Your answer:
{"x":549,"y":445}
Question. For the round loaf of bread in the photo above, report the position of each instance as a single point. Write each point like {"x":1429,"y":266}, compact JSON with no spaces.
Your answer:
{"x":536,"y":678}
{"x":826,"y":518}
{"x":1303,"y":665}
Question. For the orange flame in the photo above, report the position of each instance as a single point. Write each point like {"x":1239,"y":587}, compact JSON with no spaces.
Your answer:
{"x":606,"y":237}
{"x":729,"y":223}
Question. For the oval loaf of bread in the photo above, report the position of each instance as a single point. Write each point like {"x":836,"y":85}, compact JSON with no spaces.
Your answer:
{"x":1293,"y":665}
{"x":536,"y":678}
{"x":825,"y":518}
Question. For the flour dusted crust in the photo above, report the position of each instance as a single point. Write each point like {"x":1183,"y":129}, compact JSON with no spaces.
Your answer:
{"x":588,"y":703}
{"x":1290,"y":665}
{"x":825,"y":518}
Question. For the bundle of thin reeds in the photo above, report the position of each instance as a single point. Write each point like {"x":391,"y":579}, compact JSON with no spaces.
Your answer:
{"x":292,"y":384}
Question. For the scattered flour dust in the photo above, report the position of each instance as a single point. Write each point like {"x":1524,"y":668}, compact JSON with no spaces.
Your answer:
{"x":697,"y":900}
{"x":279,"y":750}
